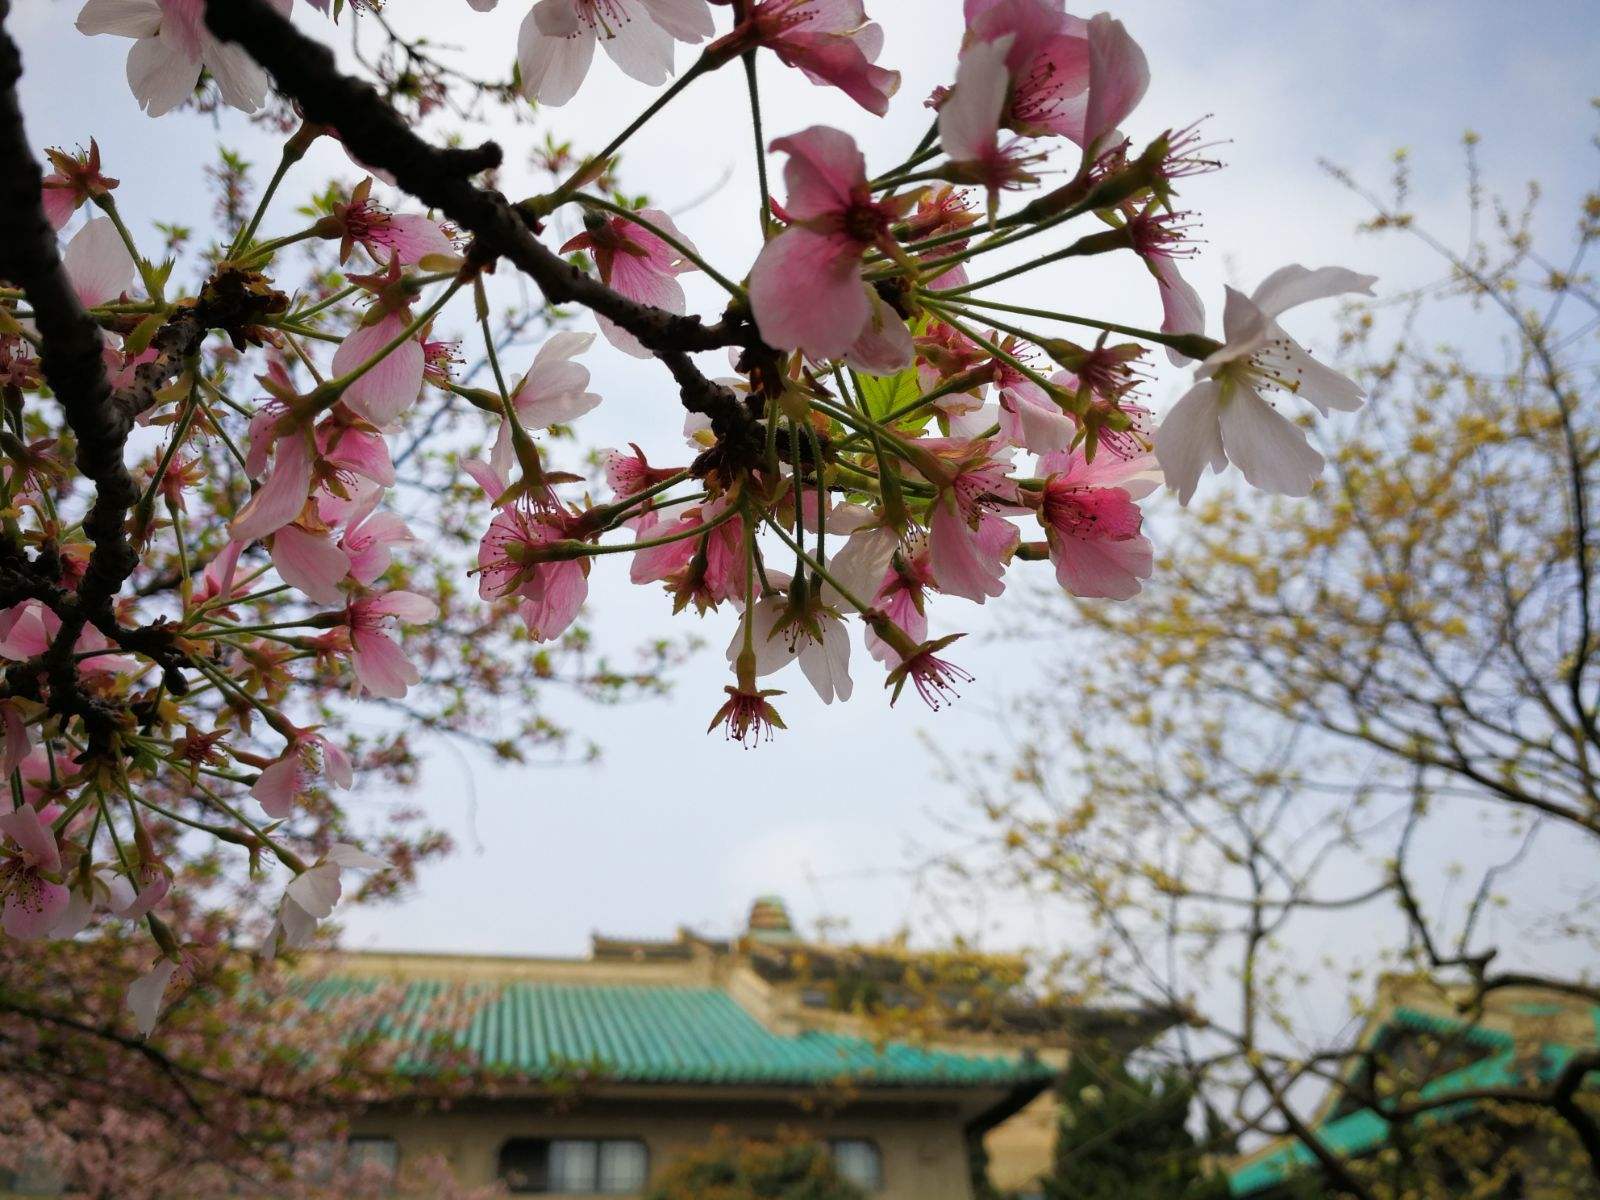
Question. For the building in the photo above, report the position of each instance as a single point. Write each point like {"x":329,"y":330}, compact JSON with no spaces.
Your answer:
{"x":1419,"y":1042}
{"x":911,"y":1067}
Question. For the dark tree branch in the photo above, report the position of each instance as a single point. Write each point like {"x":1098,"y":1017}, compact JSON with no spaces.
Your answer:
{"x":306,"y":72}
{"x":69,"y":345}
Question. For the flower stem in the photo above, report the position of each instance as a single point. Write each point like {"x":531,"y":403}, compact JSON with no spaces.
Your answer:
{"x":581,"y":176}
{"x":761,"y":142}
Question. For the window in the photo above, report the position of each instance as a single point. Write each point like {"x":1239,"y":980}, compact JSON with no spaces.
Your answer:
{"x":322,"y":1161}
{"x":35,"y":1177}
{"x":575,"y":1166}
{"x":381,"y":1151}
{"x":858,"y":1161}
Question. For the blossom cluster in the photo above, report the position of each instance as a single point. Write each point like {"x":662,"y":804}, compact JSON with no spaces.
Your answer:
{"x":892,"y":431}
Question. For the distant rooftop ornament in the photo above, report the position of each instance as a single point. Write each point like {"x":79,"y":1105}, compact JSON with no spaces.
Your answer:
{"x":769,"y":920}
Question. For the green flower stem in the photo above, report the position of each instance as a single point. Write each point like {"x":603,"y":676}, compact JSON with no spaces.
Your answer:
{"x":821,"y":571}
{"x":924,"y":151}
{"x":580,"y":176}
{"x":721,"y":518}
{"x":147,"y":273}
{"x":344,"y":293}
{"x":521,"y":442}
{"x":1095,"y":243}
{"x":950,"y":315}
{"x":291,"y":155}
{"x":761,"y":142}
{"x":263,"y":253}
{"x":328,"y":394}
{"x":733,"y":289}
{"x":208,"y":386}
{"x":1193,"y":345}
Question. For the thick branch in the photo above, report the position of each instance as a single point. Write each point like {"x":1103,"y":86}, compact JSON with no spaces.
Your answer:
{"x":306,"y":72}
{"x":69,"y":343}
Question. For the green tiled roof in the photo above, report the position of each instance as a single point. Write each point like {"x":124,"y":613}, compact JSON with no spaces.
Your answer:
{"x":638,"y":1034}
{"x":1363,"y":1131}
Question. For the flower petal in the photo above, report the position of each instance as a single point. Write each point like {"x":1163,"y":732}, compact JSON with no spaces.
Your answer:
{"x":1271,"y":450}
{"x":1191,"y":437}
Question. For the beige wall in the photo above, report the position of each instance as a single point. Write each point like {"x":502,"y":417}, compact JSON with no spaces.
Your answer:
{"x":923,"y":1158}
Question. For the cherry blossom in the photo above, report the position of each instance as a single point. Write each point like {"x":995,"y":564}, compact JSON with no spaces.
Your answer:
{"x":392,"y":386}
{"x":514,"y":560}
{"x":98,"y":263}
{"x":1093,"y":524}
{"x":557,"y":40}
{"x":384,"y":235}
{"x":639,"y":264}
{"x":172,"y":47}
{"x":35,"y":898}
{"x":798,"y":627}
{"x":1225,"y":417}
{"x":830,"y":41}
{"x":312,"y":895}
{"x":806,"y":286}
{"x":552,"y":392}
{"x":969,"y":124}
{"x":308,"y":758}
{"x":75,"y":180}
{"x":380,"y":665}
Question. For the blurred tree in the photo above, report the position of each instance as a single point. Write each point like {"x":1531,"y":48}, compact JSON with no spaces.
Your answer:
{"x":1338,"y":738}
{"x":788,"y":1167}
{"x":1122,"y":1137}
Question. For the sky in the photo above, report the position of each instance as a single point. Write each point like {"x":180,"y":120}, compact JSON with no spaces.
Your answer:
{"x":677,"y":827}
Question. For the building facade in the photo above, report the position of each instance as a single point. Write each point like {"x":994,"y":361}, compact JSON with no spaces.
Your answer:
{"x":911,"y":1068}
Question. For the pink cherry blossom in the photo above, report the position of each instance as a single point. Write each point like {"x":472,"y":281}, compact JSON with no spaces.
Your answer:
{"x":936,"y":679}
{"x":969,"y":124}
{"x":75,"y":179}
{"x":151,"y":882}
{"x":391,"y":386}
{"x":1075,"y":78}
{"x":806,"y":288}
{"x":28,"y":629}
{"x":553,"y":392}
{"x":747,"y":716}
{"x":35,"y":899}
{"x":172,"y":47}
{"x":640,"y":265}
{"x":968,"y":545}
{"x":217,"y":580}
{"x":283,"y":495}
{"x":352,"y":465}
{"x":308,"y":758}
{"x":146,"y":993}
{"x":510,"y":562}
{"x":1161,"y":239}
{"x":630,"y":474}
{"x":902,"y":598}
{"x":311,"y":896}
{"x":1094,"y":527}
{"x":369,"y":540}
{"x":830,"y":41}
{"x":309,"y":561}
{"x":17,"y":742}
{"x":97,"y":263}
{"x":708,"y":570}
{"x":812,"y":634}
{"x":382,"y":234}
{"x":1030,"y":419}
{"x":557,"y":40}
{"x":381,"y":666}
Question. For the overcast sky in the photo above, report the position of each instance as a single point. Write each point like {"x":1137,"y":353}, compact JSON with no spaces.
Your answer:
{"x":678,"y":827}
